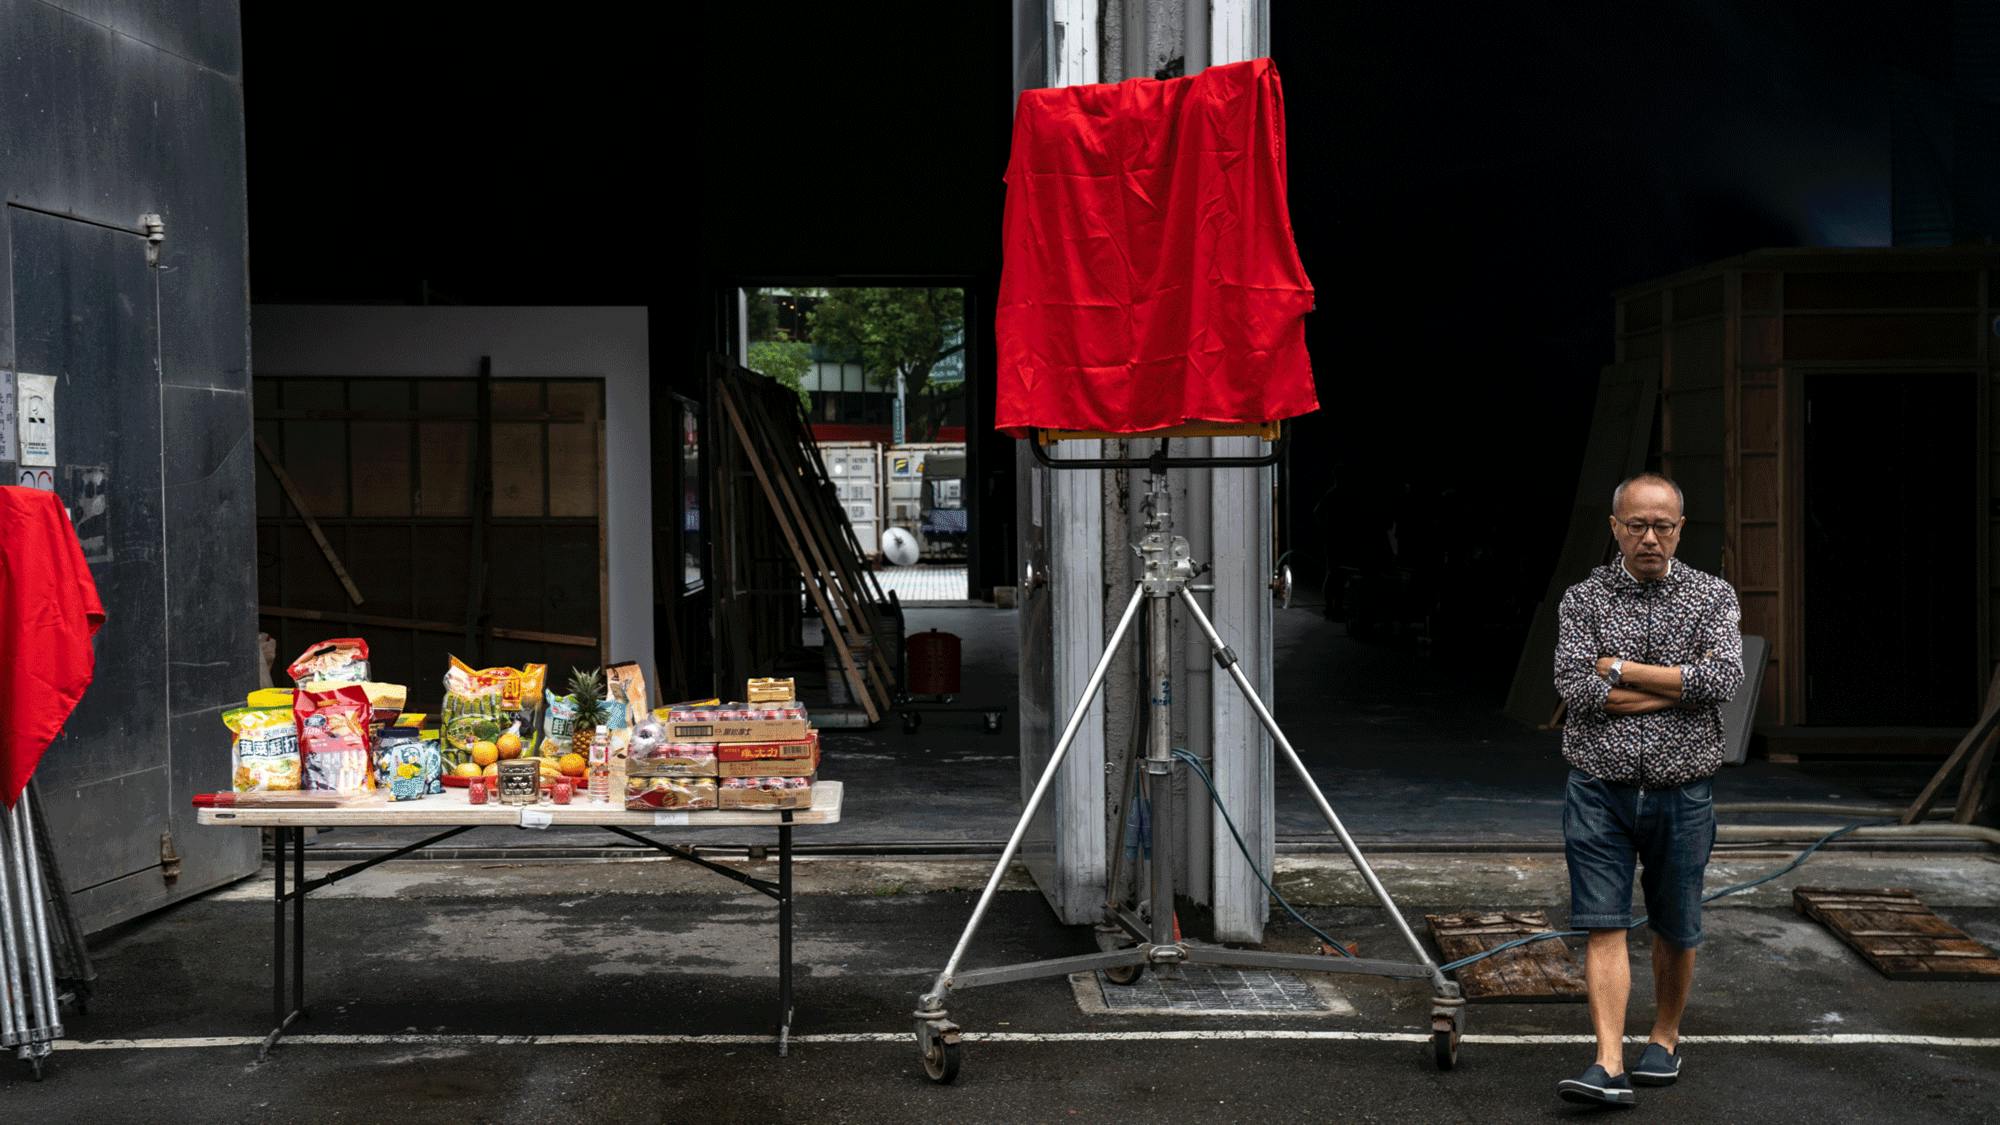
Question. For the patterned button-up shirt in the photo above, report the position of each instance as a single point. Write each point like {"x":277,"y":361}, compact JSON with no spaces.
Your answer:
{"x":1686,"y":618}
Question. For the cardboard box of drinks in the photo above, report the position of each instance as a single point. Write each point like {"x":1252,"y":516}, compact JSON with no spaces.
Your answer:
{"x":711,"y":721}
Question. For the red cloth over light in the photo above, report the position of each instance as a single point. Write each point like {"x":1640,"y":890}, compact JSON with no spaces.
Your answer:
{"x":48,"y":613}
{"x":1150,"y":275}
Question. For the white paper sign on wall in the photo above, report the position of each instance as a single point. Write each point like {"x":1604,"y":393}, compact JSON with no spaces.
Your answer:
{"x":41,"y":479}
{"x":35,"y":404}
{"x":7,"y":421}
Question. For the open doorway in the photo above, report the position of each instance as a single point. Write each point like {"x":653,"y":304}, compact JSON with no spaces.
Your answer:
{"x":1891,"y":523}
{"x":881,"y":374}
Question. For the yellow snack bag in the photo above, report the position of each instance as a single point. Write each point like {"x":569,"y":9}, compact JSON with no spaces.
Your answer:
{"x":264,"y":755}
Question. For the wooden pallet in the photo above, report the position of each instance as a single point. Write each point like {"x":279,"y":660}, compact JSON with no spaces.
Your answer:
{"x":1893,"y":929}
{"x":1539,"y":972}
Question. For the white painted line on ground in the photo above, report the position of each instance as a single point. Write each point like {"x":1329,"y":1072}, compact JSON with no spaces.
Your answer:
{"x":412,"y":1039}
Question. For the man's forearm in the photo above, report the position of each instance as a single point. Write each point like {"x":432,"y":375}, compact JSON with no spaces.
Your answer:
{"x":1632,"y":701}
{"x":1653,"y":679}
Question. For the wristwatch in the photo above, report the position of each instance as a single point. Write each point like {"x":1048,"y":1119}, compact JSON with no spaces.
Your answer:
{"x":1617,"y":673}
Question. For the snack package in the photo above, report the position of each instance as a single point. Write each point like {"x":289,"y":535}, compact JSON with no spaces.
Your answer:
{"x":671,"y":759}
{"x":342,"y":660}
{"x":407,"y":762}
{"x":625,"y":685}
{"x":764,"y":793}
{"x":264,"y":754}
{"x":559,"y":719}
{"x":481,"y":705}
{"x":334,"y":744}
{"x":386,"y":699}
{"x":650,"y":794}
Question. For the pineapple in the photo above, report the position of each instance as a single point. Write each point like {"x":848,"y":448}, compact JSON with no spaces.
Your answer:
{"x":588,"y":690}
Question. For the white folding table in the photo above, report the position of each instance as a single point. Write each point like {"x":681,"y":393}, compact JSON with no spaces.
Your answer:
{"x":453,"y":812}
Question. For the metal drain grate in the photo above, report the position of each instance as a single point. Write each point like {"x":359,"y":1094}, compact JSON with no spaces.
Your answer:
{"x":1205,"y":991}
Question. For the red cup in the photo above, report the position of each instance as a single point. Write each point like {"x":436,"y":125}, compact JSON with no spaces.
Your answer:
{"x":560,"y":792}
{"x":475,"y":791}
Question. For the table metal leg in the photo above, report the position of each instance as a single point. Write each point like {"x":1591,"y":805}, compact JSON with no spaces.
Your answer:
{"x":299,"y":923}
{"x":294,"y":840}
{"x":785,"y":936}
{"x":281,"y":837}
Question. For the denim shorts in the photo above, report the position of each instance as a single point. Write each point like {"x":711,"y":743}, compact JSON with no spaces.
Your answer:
{"x":1607,"y":826}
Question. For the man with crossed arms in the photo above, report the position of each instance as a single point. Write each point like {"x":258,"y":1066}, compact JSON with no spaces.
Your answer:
{"x":1648,"y":651}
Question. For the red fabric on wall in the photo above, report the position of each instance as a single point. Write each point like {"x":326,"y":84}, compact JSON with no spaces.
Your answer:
{"x":1150,"y":275}
{"x":48,"y":613}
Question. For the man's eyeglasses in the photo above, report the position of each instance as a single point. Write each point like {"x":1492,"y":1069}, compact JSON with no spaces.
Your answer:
{"x":1637,"y":529}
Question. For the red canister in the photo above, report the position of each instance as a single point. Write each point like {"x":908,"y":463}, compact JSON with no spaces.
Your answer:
{"x":475,"y":791}
{"x":561,"y":791}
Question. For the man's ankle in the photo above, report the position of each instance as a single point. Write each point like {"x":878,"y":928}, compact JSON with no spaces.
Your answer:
{"x":1671,"y":1040}
{"x":1613,"y":1067}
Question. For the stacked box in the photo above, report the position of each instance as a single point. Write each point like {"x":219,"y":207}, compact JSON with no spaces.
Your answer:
{"x":763,"y":754}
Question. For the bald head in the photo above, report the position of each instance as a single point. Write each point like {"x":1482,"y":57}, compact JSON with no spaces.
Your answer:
{"x":1647,"y":514}
{"x":1650,"y":479}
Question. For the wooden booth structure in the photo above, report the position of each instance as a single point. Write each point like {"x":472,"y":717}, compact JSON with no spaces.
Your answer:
{"x":1830,"y":415}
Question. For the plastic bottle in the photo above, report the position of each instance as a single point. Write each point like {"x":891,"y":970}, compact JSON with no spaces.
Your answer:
{"x":600,"y":764}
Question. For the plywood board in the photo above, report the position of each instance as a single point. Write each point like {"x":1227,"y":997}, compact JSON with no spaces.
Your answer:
{"x":1895,"y":932}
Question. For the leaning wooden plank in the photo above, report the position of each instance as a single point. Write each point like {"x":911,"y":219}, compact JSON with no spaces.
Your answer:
{"x":789,"y":476}
{"x":849,"y":666}
{"x":1895,"y":933}
{"x":812,"y":492}
{"x":1540,"y":971}
{"x":1972,"y":786}
{"x":1981,"y":732}
{"x":305,"y":513}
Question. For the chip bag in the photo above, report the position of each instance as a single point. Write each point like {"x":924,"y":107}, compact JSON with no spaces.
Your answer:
{"x":481,"y":704}
{"x":343,"y":660}
{"x":334,"y":744}
{"x":264,"y":754}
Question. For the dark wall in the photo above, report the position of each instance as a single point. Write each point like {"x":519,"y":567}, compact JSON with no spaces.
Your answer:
{"x":1467,"y":191}
{"x":114,"y":111}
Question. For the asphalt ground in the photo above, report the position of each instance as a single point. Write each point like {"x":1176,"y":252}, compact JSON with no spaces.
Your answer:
{"x":443,"y":992}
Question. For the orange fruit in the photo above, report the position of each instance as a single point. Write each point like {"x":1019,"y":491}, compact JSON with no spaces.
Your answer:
{"x":572,"y":765}
{"x":491,"y":771}
{"x":485,"y":753}
{"x":509,"y":745}
{"x":467,"y":769}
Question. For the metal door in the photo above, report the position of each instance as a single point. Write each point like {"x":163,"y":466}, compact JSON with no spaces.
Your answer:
{"x":85,"y":311}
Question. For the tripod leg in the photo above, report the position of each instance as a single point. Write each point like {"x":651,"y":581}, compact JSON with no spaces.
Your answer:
{"x":934,"y":999}
{"x":1226,"y":658}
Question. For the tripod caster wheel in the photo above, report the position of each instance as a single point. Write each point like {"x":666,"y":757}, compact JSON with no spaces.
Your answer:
{"x":992,"y":722}
{"x":1124,"y":974}
{"x":938,"y":1043}
{"x":1444,"y":1043}
{"x":911,"y":721}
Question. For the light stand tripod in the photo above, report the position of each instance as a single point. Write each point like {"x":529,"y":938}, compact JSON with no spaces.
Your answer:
{"x":1166,"y":574}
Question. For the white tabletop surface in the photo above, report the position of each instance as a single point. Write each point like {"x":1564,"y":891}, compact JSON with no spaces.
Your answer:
{"x":453,"y":809}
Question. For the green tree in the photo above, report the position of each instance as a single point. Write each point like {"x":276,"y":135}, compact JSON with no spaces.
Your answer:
{"x":896,"y":331}
{"x":772,"y":353}
{"x":787,"y":361}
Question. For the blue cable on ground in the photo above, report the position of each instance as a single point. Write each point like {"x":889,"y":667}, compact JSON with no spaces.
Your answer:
{"x":1707,"y":898}
{"x":1194,"y":763}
